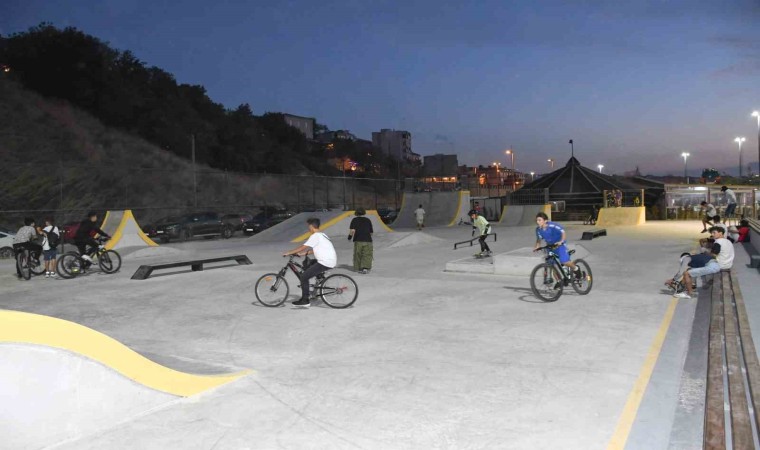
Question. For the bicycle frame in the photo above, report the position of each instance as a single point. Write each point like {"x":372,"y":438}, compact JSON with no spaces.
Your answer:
{"x":297,"y":270}
{"x":553,"y":258}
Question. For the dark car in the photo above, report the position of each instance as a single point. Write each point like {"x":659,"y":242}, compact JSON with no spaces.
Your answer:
{"x":387,"y":215}
{"x":236,"y":221}
{"x":183,"y":228}
{"x":266,"y":219}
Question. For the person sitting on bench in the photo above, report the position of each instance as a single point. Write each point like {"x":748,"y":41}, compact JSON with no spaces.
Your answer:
{"x":722,"y":249}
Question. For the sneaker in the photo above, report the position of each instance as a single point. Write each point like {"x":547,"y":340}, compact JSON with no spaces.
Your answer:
{"x":364,"y":271}
{"x":682,"y":295}
{"x":302,"y":302}
{"x":704,"y":231}
{"x":47,"y":274}
{"x":87,"y":258}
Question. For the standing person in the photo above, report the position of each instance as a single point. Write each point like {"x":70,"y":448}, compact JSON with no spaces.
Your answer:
{"x":722,"y":250}
{"x":24,"y":239}
{"x":322,"y":248}
{"x":618,"y":198}
{"x":84,"y":236}
{"x":50,"y":246}
{"x":360,"y":230}
{"x":483,"y":227}
{"x":419,"y":213}
{"x":710,"y":213}
{"x":730,"y":201}
{"x":553,"y":234}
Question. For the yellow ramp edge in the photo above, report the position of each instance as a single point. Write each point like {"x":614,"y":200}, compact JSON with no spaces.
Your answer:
{"x":373,"y":212}
{"x":460,"y":197}
{"x":323,"y":226}
{"x":27,"y":328}
{"x":125,"y":218}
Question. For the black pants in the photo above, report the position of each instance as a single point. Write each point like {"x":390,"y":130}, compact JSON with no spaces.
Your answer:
{"x":483,"y":245}
{"x":313,"y":270}
{"x":35,"y":250}
{"x":82,"y":246}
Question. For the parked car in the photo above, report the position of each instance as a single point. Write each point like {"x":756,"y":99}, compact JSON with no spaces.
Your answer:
{"x":151,"y":229}
{"x":387,"y":215}
{"x":206,"y":224}
{"x":236,"y":221}
{"x":266,"y":219}
{"x":6,"y":244}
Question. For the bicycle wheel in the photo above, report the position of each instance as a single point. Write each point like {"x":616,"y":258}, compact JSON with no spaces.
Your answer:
{"x":546,"y":282}
{"x":583,"y":285}
{"x":338,"y":291}
{"x":36,"y":266}
{"x":109,"y":261}
{"x":22,"y":263}
{"x":69,"y":265}
{"x":271,"y":290}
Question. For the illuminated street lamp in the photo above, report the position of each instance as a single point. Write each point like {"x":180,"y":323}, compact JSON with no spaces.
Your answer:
{"x":757,"y":114}
{"x":532,"y":176}
{"x":685,"y":155}
{"x":512,"y":155}
{"x":600,"y":166}
{"x":740,"y":140}
{"x":551,"y":161}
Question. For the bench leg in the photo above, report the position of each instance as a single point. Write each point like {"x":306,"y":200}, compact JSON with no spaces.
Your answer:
{"x":197,"y":267}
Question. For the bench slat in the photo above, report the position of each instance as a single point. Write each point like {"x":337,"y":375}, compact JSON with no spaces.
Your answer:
{"x":748,"y":346}
{"x":715,"y":427}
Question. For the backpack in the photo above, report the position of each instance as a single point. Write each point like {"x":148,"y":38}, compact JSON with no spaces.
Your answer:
{"x":53,"y":238}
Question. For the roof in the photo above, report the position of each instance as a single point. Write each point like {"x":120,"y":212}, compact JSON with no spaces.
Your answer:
{"x":575,"y":178}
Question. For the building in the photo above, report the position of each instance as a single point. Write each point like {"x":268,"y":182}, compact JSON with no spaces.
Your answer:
{"x":339,"y":135}
{"x":304,"y":124}
{"x":395,"y":143}
{"x":440,"y":165}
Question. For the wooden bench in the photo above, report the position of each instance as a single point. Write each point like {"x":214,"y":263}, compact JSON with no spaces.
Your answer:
{"x":591,"y":234}
{"x":145,"y":271}
{"x":472,"y":241}
{"x":730,"y":338}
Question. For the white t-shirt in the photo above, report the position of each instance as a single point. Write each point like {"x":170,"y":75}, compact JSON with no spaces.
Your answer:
{"x":45,"y":244}
{"x":710,"y":210}
{"x":419,"y":213}
{"x":726,"y":256}
{"x":730,"y":196}
{"x":323,"y":249}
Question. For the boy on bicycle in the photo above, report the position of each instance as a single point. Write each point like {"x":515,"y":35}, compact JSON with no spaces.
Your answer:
{"x":84,"y":236}
{"x":24,"y":239}
{"x":319,"y":244}
{"x":554,"y":235}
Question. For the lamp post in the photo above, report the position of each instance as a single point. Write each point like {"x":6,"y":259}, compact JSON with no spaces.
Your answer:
{"x":512,"y":155}
{"x":551,"y":162}
{"x":740,"y":140}
{"x":757,"y":114}
{"x":685,"y":155}
{"x":600,"y":166}
{"x":532,"y":176}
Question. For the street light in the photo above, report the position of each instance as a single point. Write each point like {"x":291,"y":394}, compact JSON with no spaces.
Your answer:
{"x":600,"y":166}
{"x":757,"y":114}
{"x":740,"y":140}
{"x":551,"y":161}
{"x":532,"y":176}
{"x":512,"y":155}
{"x":685,"y":155}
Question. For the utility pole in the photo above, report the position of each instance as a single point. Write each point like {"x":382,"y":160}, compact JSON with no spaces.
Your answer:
{"x":195,"y":181}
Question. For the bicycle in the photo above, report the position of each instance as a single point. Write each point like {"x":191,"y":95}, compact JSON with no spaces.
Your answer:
{"x":28,"y":266}
{"x":71,"y":264}
{"x":548,"y":279}
{"x":337,"y":290}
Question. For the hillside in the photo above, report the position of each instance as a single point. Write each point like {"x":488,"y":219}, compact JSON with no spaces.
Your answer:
{"x":58,"y":159}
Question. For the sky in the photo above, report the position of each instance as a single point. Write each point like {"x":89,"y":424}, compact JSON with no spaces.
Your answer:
{"x":633,"y":84}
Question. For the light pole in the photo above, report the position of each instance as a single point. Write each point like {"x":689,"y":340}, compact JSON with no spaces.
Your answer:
{"x":757,"y":114}
{"x":685,"y":155}
{"x":551,"y":162}
{"x":512,"y":155}
{"x":600,"y":166}
{"x":532,"y":176}
{"x":572,"y":150}
{"x":740,"y":140}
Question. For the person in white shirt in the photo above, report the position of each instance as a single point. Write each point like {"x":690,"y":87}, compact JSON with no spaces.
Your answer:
{"x":50,"y":246}
{"x":730,"y":202}
{"x":419,"y":213}
{"x":722,"y":249}
{"x":324,"y":252}
{"x":710,"y":213}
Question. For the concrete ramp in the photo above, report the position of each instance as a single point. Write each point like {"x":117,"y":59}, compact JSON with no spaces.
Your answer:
{"x":124,"y":231}
{"x":633,"y":215}
{"x":523,"y":215}
{"x":519,"y":262}
{"x":60,"y":380}
{"x":290,"y":229}
{"x":442,"y":209}
{"x":339,"y":226}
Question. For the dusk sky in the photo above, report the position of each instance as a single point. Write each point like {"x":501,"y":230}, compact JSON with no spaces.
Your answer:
{"x":632,"y":83}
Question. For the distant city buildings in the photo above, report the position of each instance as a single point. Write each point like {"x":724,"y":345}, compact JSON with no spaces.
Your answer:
{"x":340,"y":135}
{"x":304,"y":124}
{"x":395,"y":143}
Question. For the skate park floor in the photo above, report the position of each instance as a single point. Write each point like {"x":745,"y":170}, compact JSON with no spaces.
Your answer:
{"x":424,"y":359}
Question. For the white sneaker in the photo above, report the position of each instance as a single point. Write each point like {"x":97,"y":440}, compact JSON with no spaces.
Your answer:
{"x":47,"y":274}
{"x":87,"y":258}
{"x":682,"y":295}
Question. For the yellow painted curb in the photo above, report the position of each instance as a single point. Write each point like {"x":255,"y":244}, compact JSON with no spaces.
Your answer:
{"x":323,"y":226}
{"x":125,"y":217}
{"x":27,"y":328}
{"x":503,"y":213}
{"x":625,"y":422}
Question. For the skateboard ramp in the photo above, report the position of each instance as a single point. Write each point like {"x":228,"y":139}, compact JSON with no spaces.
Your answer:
{"x":60,"y":380}
{"x":442,"y":209}
{"x":124,"y":231}
{"x":333,"y":223}
{"x":522,"y":215}
{"x":633,"y":215}
{"x":339,"y":226}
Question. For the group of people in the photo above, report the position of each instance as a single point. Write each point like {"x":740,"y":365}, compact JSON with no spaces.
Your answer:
{"x":45,"y":240}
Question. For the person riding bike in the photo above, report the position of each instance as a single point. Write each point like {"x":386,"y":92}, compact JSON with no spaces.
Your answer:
{"x":319,"y":244}
{"x":84,"y":236}
{"x":554,"y":235}
{"x":24,"y":239}
{"x":483,"y":227}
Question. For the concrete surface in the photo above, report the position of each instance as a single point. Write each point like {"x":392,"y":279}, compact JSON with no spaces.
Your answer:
{"x":441,"y":208}
{"x":425,"y":358}
{"x":522,"y":215}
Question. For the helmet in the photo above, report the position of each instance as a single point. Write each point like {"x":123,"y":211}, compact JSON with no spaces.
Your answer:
{"x":472,"y":211}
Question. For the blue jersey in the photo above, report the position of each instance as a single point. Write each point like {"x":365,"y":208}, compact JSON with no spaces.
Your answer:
{"x":551,"y":234}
